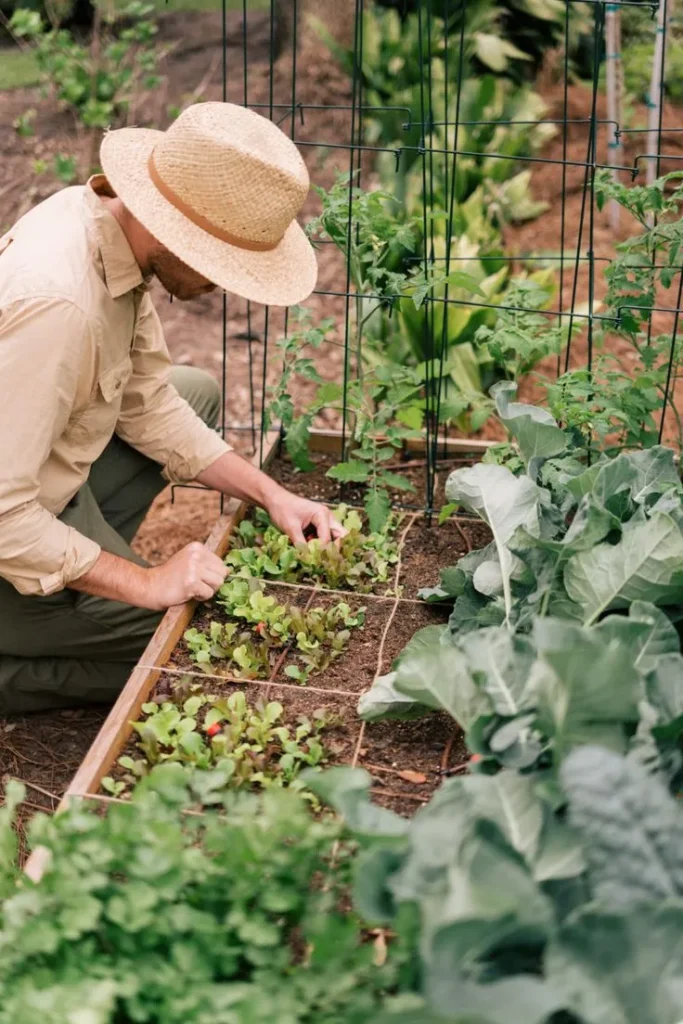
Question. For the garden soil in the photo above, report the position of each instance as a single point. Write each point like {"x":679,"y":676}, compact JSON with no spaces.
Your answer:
{"x":45,"y":750}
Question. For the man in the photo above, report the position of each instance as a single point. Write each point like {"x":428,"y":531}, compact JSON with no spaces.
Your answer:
{"x":93,"y":419}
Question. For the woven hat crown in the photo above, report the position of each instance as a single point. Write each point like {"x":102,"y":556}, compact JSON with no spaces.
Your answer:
{"x":233,"y":171}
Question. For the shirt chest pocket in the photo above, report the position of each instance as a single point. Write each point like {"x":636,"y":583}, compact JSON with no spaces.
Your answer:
{"x":97,"y":421}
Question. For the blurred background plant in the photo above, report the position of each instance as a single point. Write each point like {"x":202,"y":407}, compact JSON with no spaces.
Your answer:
{"x":444,"y":264}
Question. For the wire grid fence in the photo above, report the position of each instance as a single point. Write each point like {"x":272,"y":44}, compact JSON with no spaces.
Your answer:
{"x":578,"y":261}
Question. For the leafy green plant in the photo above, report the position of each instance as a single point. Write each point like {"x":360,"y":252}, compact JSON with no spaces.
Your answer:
{"x":318,"y":635}
{"x":644,"y":263}
{"x":152,"y":915}
{"x":524,"y":662}
{"x":610,"y":408}
{"x":381,"y":404}
{"x":100,"y":84}
{"x":238,"y":651}
{"x":419,"y":353}
{"x":526,"y":702}
{"x":248,"y":744}
{"x":23,"y":124}
{"x":522,"y":335}
{"x":638,"y":31}
{"x":533,"y":904}
{"x":359,"y":561}
{"x":561,"y":528}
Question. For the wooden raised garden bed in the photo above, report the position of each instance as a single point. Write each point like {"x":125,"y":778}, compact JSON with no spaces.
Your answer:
{"x":406,"y":759}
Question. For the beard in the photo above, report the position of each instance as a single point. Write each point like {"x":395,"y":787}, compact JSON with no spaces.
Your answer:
{"x":176,"y":277}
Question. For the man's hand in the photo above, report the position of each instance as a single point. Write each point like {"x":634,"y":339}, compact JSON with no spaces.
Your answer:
{"x":294,"y":516}
{"x":193,"y":572}
{"x":233,"y":475}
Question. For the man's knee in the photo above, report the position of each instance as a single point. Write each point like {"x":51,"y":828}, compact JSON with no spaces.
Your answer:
{"x":200,"y":390}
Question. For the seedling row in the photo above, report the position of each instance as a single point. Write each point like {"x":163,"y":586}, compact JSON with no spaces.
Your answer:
{"x":266,"y":679}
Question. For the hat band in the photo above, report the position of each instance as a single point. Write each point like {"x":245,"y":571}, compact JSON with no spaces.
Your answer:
{"x":203,"y":222}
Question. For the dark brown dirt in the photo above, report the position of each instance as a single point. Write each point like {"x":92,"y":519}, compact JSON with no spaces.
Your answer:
{"x":430,"y":547}
{"x":316,"y":484}
{"x":44,"y":752}
{"x":390,"y":748}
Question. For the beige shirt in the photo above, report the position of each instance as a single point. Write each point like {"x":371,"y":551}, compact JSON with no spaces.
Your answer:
{"x":82,"y":356}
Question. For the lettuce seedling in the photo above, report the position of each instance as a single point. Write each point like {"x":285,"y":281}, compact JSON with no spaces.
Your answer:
{"x":359,"y":561}
{"x":249,"y":742}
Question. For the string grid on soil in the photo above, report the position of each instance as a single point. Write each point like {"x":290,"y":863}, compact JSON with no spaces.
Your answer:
{"x":448,"y":745}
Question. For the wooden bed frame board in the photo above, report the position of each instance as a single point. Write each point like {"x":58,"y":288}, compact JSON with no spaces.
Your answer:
{"x":117,"y":727}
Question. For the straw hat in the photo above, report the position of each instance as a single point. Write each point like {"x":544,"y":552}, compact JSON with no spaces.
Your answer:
{"x":221,"y":189}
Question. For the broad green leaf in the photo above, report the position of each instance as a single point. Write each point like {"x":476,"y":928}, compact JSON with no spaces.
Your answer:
{"x":613,"y":967}
{"x":645,"y":565}
{"x":383,"y":701}
{"x":378,"y":509}
{"x":470,"y":917}
{"x":630,"y":480}
{"x":329,"y":392}
{"x":665,"y":694}
{"x":509,"y":801}
{"x":350,"y":472}
{"x":503,"y":663}
{"x":412,"y":417}
{"x":296,"y":443}
{"x":631,"y":828}
{"x":655,"y":473}
{"x":347,"y":790}
{"x":473,"y":611}
{"x":459,"y":279}
{"x":451,"y":584}
{"x":372,"y":873}
{"x":502,"y":500}
{"x":587,"y":687}
{"x":488,"y":579}
{"x":396,"y":481}
{"x":535,"y":430}
{"x":648,"y":632}
{"x":591,"y":524}
{"x":524,"y":999}
{"x":446,"y":512}
{"x":438,"y":677}
{"x":560,"y":855}
{"x":494,"y":51}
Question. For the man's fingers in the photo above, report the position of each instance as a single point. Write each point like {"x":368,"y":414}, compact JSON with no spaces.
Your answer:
{"x":214,"y":564}
{"x":213,"y":579}
{"x":295,"y":533}
{"x":202,"y":591}
{"x":321,"y":521}
{"x":336,"y":529}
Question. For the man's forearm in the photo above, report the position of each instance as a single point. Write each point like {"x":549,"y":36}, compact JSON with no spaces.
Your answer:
{"x":116,"y":579}
{"x":192,"y":573}
{"x":233,"y":475}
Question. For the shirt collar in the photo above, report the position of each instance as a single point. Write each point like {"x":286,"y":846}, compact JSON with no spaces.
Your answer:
{"x":121,"y":271}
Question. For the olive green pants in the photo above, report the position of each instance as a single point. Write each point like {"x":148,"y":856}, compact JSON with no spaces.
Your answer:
{"x":71,"y":649}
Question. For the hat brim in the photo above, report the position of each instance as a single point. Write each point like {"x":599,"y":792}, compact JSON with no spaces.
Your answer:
{"x":282,"y":276}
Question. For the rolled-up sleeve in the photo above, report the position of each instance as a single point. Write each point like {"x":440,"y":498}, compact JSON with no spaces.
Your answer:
{"x":43,"y":341}
{"x":154,"y":418}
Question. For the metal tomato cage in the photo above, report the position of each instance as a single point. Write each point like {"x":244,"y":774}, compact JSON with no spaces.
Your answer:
{"x":577,"y":245}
